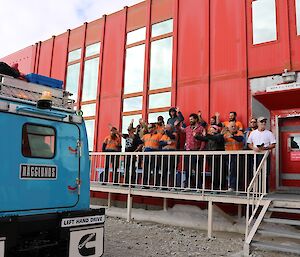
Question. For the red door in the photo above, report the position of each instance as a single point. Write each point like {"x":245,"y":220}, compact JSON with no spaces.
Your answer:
{"x":290,"y":152}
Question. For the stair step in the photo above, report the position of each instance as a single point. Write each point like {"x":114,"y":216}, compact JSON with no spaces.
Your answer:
{"x":286,"y":204}
{"x":286,"y":210}
{"x":276,"y":247}
{"x":285,"y":234}
{"x":283,"y":221}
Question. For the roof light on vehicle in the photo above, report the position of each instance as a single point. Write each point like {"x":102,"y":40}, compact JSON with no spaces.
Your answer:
{"x":45,"y":102}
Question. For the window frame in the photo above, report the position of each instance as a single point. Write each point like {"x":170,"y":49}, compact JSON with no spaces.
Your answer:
{"x":164,"y":89}
{"x":276,"y":27}
{"x":146,"y":93}
{"x":39,"y":125}
{"x":135,"y":94}
{"x":87,"y":102}
{"x":89,"y":118}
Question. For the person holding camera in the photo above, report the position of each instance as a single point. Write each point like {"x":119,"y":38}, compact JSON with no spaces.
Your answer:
{"x":260,"y":140}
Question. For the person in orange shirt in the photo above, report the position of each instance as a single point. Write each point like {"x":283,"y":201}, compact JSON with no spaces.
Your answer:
{"x":160,"y":125}
{"x":151,"y":143}
{"x":233,"y":139}
{"x":232,"y":117}
{"x":168,"y":142}
{"x":112,"y":143}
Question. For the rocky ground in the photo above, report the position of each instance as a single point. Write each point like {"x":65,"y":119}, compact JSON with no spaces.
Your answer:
{"x":143,"y":239}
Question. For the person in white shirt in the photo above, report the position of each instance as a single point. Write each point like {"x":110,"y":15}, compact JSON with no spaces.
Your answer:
{"x":260,"y":140}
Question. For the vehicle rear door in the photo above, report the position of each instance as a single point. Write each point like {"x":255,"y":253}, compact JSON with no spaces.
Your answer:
{"x":40,"y":163}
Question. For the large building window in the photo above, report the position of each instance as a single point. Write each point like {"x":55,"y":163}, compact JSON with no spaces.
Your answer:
{"x":136,"y":36}
{"x":298,"y":16}
{"x":160,"y":100}
{"x":90,"y":130}
{"x":162,"y":28}
{"x":161,"y":60}
{"x":159,"y":83}
{"x":73,"y":72}
{"x":264,"y":21}
{"x":74,"y":55}
{"x":134,"y":77}
{"x":132,"y":104}
{"x":89,"y":110}
{"x":73,"y":80}
{"x":152,"y":117}
{"x":127,"y":119}
{"x":134,"y":69}
{"x":93,"y":49}
{"x":161,"y":63}
{"x":88,"y":103}
{"x":90,"y":79}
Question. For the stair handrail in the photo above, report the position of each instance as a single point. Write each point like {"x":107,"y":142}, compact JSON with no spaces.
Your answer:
{"x":257,"y":190}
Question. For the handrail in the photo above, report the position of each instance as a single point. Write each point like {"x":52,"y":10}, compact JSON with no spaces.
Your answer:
{"x":199,"y":171}
{"x":174,"y":153}
{"x":257,"y":189}
{"x":257,"y":171}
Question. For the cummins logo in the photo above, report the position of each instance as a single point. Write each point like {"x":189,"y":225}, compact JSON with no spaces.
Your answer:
{"x":88,"y":242}
{"x":83,"y":249}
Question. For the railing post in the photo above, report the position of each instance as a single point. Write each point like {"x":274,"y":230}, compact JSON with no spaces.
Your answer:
{"x":129,"y":207}
{"x":109,"y":200}
{"x":210,"y":219}
{"x":246,"y":249}
{"x":239,"y":211}
{"x":165,"y":204}
{"x":265,"y":178}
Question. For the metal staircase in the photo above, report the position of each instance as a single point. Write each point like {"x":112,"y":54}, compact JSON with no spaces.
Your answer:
{"x":272,"y":220}
{"x":276,"y":228}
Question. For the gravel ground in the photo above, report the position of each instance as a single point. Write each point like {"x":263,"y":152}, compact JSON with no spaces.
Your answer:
{"x":142,"y":239}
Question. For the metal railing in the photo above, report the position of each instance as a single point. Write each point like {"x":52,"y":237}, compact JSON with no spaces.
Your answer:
{"x":195,"y":171}
{"x":257,"y":189}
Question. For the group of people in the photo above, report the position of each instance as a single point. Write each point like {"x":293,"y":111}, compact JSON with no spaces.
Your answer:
{"x":197,"y":136}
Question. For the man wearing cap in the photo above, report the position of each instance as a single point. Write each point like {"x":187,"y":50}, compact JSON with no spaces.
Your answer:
{"x":260,"y":140}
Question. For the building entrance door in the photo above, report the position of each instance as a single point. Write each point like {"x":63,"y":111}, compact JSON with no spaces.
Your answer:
{"x":289,"y":152}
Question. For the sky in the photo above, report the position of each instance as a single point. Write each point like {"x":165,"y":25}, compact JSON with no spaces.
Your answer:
{"x":23,"y":23}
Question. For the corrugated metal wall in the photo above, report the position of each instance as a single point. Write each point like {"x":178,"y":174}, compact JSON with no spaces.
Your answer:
{"x":213,"y":55}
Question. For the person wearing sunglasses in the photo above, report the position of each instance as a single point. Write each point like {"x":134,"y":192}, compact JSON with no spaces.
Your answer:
{"x":260,"y":140}
{"x":249,"y":130}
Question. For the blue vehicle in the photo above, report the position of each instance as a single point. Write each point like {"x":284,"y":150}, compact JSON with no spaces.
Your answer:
{"x":45,"y":184}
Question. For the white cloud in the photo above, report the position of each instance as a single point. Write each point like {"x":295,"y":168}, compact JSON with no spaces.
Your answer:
{"x":24,"y":23}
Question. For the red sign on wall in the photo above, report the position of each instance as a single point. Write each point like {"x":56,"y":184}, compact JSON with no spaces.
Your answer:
{"x":295,"y":156}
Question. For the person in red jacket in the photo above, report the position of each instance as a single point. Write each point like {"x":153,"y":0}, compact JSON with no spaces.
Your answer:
{"x":192,"y":144}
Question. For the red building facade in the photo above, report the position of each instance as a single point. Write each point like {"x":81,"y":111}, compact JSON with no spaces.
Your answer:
{"x":208,"y":55}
